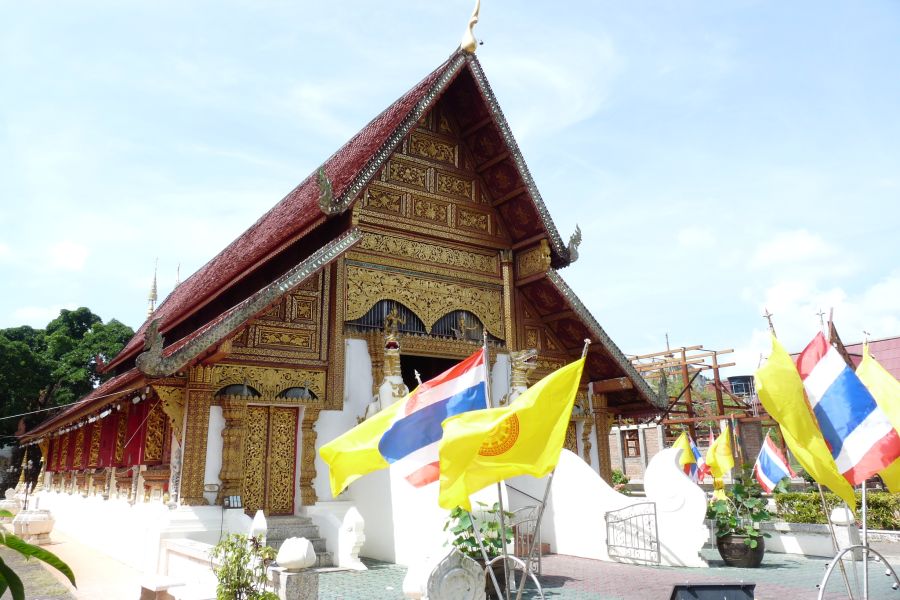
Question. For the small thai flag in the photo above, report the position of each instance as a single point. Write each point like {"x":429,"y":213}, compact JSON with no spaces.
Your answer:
{"x":410,"y":444}
{"x":771,"y":466}
{"x":862,"y":439}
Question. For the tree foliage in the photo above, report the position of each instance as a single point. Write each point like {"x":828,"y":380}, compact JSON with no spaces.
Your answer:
{"x":40,"y":368}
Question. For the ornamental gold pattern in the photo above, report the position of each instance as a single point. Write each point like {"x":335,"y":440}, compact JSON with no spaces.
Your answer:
{"x":391,"y":245}
{"x":94,"y":453}
{"x":62,"y":462}
{"x":172,"y":399}
{"x":308,"y":456}
{"x":382,"y":199}
{"x":429,"y":299}
{"x":431,"y":210}
{"x":426,"y":146}
{"x":452,"y":185}
{"x":121,"y":431}
{"x":153,"y":440}
{"x":471,"y":219}
{"x":254,"y":488}
{"x":282,"y":454}
{"x":268,"y":381}
{"x":193,"y":468}
{"x":79,"y":449}
{"x":586,"y":440}
{"x":407,"y":172}
{"x":571,"y":442}
{"x":533,"y":261}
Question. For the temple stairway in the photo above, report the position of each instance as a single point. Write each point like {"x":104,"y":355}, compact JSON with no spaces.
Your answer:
{"x":282,"y":528}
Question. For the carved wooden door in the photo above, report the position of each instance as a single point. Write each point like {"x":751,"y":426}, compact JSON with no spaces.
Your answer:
{"x":270,"y":452}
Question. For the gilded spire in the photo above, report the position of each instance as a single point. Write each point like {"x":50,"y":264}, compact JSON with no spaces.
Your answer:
{"x":469,"y":44}
{"x":152,"y":297}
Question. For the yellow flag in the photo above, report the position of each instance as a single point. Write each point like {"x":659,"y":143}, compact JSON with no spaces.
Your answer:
{"x":687,"y":455}
{"x":719,"y":457}
{"x":355,"y":453}
{"x":485,"y":446}
{"x":886,"y":391}
{"x":780,"y":390}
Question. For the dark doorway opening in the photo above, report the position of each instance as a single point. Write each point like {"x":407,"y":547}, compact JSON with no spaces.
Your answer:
{"x":427,"y":366}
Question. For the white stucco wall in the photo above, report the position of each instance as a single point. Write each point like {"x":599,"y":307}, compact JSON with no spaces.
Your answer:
{"x":213,"y":451}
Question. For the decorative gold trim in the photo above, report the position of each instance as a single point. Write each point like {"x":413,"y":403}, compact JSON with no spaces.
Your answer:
{"x":172,"y":399}
{"x":510,"y":326}
{"x":534,"y":260}
{"x":199,"y":398}
{"x":268,"y":381}
{"x":391,"y":250}
{"x":429,"y":299}
{"x":308,"y":456}
{"x":335,"y":307}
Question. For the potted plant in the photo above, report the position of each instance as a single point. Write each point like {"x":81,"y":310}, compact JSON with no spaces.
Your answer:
{"x":460,"y":524}
{"x":241,"y":568}
{"x":737,"y":519}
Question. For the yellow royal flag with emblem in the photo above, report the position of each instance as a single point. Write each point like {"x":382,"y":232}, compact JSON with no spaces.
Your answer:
{"x":486,"y":446}
{"x":885,"y":388}
{"x":780,"y":390}
{"x":720,"y":460}
{"x":687,"y":455}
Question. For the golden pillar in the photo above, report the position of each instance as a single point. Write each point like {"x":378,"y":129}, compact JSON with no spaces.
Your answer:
{"x":308,"y":456}
{"x":199,"y":395}
{"x":506,"y":263}
{"x":234,"y":409}
{"x":602,"y":424}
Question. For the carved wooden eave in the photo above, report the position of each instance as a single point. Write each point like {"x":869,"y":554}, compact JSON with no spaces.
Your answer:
{"x":600,"y":336}
{"x":160,"y":362}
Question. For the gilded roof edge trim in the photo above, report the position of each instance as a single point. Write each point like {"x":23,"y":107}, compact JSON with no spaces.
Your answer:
{"x":153,"y":363}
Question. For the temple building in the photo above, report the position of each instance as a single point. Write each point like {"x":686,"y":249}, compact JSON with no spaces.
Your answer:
{"x":421,"y":234}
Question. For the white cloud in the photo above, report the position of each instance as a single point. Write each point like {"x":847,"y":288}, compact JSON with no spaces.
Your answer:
{"x":788,"y":247}
{"x":37,"y":316}
{"x":68,"y":255}
{"x":696,"y":237}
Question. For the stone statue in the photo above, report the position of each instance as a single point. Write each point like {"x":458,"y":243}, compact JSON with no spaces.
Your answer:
{"x":522,"y":363}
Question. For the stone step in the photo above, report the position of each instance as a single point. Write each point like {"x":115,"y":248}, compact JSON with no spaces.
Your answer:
{"x":282,"y":528}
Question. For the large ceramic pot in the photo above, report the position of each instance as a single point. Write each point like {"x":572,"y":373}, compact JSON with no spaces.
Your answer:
{"x":736,"y":553}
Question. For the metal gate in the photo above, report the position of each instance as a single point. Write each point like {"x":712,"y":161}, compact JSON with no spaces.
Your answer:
{"x":631,"y":534}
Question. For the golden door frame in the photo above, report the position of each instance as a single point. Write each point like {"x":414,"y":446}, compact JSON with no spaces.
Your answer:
{"x":270,"y":458}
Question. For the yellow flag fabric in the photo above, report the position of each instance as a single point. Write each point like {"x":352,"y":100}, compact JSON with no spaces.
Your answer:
{"x":719,"y":457}
{"x":482,"y":447}
{"x":687,"y":456}
{"x":885,"y":388}
{"x":780,"y":390}
{"x":355,"y":453}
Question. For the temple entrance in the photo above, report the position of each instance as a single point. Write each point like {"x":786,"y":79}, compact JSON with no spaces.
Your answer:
{"x":270,"y":451}
{"x":427,"y":366}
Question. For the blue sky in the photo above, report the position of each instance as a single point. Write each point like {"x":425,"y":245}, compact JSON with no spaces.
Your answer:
{"x":719,"y":157}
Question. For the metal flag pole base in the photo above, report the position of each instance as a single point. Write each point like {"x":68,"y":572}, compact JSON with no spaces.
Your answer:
{"x":834,"y":542}
{"x":838,"y":558}
{"x":484,"y":556}
{"x":526,"y":571}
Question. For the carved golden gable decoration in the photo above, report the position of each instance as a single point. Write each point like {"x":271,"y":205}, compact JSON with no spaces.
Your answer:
{"x":429,"y":299}
{"x":268,"y":381}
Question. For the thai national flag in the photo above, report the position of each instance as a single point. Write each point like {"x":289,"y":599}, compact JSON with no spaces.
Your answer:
{"x":410,"y":444}
{"x":861,"y":438}
{"x":771,"y":466}
{"x":697,"y":469}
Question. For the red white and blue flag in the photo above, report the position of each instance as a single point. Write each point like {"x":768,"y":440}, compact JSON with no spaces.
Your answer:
{"x":410,"y":444}
{"x":771,"y":466}
{"x":859,"y":434}
{"x":696,"y":469}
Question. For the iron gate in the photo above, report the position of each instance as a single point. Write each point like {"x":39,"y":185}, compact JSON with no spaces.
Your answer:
{"x":631,"y":534}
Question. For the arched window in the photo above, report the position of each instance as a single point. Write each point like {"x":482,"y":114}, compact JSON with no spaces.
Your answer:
{"x":300,"y":393}
{"x":239,"y":389}
{"x":407,"y":321}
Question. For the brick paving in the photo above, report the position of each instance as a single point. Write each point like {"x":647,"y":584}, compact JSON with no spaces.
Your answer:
{"x":781,"y":577}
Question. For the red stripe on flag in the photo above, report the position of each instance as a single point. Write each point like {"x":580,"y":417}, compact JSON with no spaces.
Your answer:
{"x":811,"y":355}
{"x":879,"y":456}
{"x":425,"y":475}
{"x":412,"y":405}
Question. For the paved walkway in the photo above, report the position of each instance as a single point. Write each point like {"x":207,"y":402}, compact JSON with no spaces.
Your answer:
{"x":781,"y":577}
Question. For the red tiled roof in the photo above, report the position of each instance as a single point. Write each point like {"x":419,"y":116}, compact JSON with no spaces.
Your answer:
{"x":886,"y":352}
{"x":288,"y":220}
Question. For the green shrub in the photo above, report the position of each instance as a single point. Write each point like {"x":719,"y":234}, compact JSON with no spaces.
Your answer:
{"x":806,"y":507}
{"x":242,"y":568}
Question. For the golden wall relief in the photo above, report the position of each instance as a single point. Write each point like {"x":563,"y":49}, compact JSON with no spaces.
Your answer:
{"x":172,"y":399}
{"x":308,"y":456}
{"x":255,"y":449}
{"x":429,"y":299}
{"x":408,"y":253}
{"x":154,"y":438}
{"x":295,"y":328}
{"x":193,"y":469}
{"x":268,"y":381}
{"x":63,"y":452}
{"x":94,"y":453}
{"x":571,"y":441}
{"x":78,"y":452}
{"x":121,"y":432}
{"x":432,"y":147}
{"x":533,"y":261}
{"x":431,"y":210}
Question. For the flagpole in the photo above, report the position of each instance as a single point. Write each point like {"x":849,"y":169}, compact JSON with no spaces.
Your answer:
{"x":865,"y":541}
{"x":490,"y":404}
{"x":834,"y":542}
{"x":484,"y":555}
{"x":540,"y":516}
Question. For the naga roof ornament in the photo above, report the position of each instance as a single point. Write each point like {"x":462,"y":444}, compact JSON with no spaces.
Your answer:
{"x":469,"y":44}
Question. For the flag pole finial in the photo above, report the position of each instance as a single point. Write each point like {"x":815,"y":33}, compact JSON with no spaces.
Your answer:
{"x":768,"y":317}
{"x":587,"y":344}
{"x":821,"y":315}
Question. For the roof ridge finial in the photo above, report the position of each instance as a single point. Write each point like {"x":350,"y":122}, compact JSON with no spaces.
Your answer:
{"x":152,"y":297}
{"x":469,"y":44}
{"x":178,"y":275}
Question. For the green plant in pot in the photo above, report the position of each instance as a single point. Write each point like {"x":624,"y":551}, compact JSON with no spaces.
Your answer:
{"x":241,"y":570}
{"x":460,"y":524}
{"x":738,"y":518}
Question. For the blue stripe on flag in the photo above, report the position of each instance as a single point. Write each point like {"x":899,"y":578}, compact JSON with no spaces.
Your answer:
{"x":423,"y":427}
{"x":771,"y":468}
{"x":845,"y":404}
